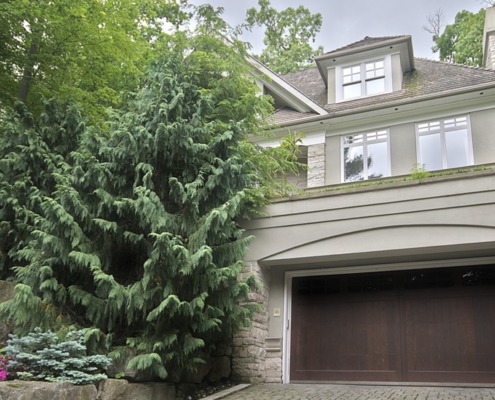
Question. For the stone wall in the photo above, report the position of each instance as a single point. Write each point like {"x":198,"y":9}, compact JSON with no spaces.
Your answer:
{"x":273,"y":366}
{"x":490,"y":56}
{"x":249,"y":351}
{"x":489,"y":38}
{"x":316,"y":165}
{"x":110,"y":389}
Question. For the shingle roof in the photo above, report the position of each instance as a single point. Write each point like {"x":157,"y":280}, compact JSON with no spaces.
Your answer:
{"x":429,"y":79}
{"x":284,"y":115}
{"x":367,"y":41}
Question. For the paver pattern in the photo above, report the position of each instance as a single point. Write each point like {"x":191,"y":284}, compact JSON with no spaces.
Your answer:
{"x":358,"y":392}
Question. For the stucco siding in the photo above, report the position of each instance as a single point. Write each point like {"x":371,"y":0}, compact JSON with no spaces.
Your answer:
{"x":483,"y":135}
{"x":459,"y":201}
{"x":396,"y":225}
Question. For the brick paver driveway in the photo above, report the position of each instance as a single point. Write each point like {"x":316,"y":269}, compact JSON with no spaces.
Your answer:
{"x":358,"y":392}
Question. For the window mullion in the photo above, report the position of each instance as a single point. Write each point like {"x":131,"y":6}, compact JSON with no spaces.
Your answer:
{"x":443,"y":143}
{"x":365,"y":157}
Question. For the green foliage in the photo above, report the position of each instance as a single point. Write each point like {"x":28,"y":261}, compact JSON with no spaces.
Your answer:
{"x":288,"y":36}
{"x":43,"y":356}
{"x":131,"y":228}
{"x":462,"y":41}
{"x":84,"y":50}
{"x":419,"y":172}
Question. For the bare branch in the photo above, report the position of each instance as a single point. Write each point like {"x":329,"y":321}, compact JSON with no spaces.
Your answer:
{"x":435,"y":22}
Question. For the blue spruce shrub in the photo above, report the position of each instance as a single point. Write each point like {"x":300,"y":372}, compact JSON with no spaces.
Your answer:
{"x":42,"y":356}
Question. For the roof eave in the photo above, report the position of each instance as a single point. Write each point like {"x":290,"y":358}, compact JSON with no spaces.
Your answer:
{"x":392,"y":104}
{"x":347,"y":51}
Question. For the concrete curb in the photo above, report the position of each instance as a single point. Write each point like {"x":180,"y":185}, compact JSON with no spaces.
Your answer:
{"x":227,"y":392}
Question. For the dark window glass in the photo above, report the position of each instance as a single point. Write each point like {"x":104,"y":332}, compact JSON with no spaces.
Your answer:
{"x":429,"y":279}
{"x":317,"y":285}
{"x":478,"y":277}
{"x":367,"y":283}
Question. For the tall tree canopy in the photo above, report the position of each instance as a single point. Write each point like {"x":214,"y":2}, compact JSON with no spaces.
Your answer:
{"x":131,"y":226}
{"x":289,"y":35}
{"x":85,"y":50}
{"x":462,"y":41}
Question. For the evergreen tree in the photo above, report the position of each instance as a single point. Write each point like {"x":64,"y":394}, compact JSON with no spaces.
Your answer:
{"x":132,"y":227}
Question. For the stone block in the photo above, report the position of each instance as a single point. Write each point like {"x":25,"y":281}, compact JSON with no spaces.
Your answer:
{"x":120,"y":389}
{"x":24,"y":390}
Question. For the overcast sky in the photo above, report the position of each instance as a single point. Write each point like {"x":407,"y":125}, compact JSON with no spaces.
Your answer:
{"x":347,"y":21}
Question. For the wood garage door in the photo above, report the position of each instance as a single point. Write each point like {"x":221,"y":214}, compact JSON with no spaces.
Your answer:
{"x":417,"y":326}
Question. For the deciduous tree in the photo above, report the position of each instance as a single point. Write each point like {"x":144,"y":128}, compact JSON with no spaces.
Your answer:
{"x":84,"y":50}
{"x":460,"y":42}
{"x":289,"y":35}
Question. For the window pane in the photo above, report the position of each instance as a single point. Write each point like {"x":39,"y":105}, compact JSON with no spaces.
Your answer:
{"x":457,"y":148}
{"x":430,"y":151}
{"x":375,"y":73}
{"x":429,"y":127}
{"x":375,"y":86}
{"x":353,"y":90}
{"x":377,"y":160}
{"x":351,"y":74}
{"x":353,"y":164}
{"x":353,"y":139}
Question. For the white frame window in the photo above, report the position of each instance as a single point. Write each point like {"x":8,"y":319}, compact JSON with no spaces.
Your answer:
{"x":367,"y":78}
{"x":444,"y":143}
{"x":371,"y":146}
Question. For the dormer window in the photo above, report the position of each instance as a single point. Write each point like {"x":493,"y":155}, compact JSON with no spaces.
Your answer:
{"x":364,"y":79}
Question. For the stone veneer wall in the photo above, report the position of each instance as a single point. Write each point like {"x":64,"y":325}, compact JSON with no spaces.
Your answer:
{"x":273,"y":364}
{"x":249,"y":350}
{"x":490,"y":56}
{"x":316,"y":165}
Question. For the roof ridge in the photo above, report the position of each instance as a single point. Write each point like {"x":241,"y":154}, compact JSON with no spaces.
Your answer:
{"x":377,"y":38}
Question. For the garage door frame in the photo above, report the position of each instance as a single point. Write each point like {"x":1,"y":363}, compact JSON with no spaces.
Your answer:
{"x":289,"y":275}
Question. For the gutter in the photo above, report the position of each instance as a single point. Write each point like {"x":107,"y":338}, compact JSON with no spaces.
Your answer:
{"x":384,"y":106}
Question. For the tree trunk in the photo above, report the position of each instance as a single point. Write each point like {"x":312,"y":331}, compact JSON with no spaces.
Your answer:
{"x":28,"y":73}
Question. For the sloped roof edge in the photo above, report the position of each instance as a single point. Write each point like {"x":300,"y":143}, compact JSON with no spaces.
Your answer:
{"x":368,"y":43}
{"x":295,"y":97}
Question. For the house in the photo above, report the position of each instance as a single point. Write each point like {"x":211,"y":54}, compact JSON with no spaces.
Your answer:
{"x":383,"y":268}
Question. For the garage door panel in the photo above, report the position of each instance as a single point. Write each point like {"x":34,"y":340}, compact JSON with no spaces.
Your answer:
{"x":435,"y":326}
{"x":449,"y":334}
{"x":360,"y":339}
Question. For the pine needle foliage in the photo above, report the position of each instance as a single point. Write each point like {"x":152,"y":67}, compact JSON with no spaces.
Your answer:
{"x":43,"y":356}
{"x":132,"y":227}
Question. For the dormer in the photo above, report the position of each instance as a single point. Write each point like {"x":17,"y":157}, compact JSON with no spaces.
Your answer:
{"x":369,"y":67}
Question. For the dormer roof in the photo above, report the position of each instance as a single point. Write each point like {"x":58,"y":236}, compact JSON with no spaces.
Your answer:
{"x":367,"y":48}
{"x":364,"y":44}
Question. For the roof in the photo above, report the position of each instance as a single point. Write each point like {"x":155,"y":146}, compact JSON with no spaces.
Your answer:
{"x":429,"y":79}
{"x":367,"y":42}
{"x":285,"y":115}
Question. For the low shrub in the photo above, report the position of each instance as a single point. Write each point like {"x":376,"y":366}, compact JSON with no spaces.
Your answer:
{"x":4,"y":363}
{"x":43,"y":356}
